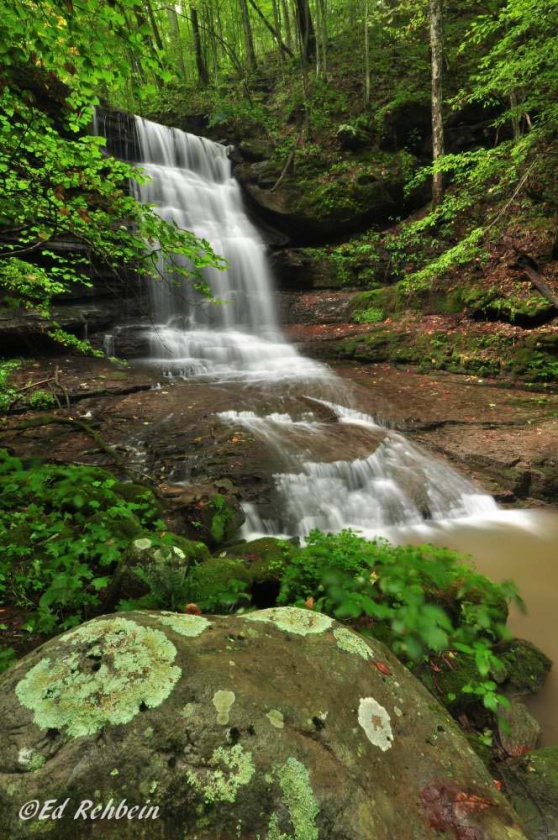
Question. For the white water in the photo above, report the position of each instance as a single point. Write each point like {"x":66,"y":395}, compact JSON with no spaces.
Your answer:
{"x":191,"y":184}
{"x":395,"y":485}
{"x":389,"y":483}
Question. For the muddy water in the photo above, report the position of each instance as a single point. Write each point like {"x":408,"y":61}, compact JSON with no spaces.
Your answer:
{"x":521,"y":546}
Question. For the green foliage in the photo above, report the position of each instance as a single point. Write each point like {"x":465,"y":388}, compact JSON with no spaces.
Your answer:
{"x":373,"y":315}
{"x":7,"y":392}
{"x":421,"y":600}
{"x":55,"y":179}
{"x":7,"y":657}
{"x":62,"y":529}
{"x":221,"y":516}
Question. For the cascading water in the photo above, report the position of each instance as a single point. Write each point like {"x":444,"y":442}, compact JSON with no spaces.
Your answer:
{"x":385,"y":480}
{"x":191,"y":185}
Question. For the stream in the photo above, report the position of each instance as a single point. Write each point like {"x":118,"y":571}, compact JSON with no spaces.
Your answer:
{"x":331,"y":463}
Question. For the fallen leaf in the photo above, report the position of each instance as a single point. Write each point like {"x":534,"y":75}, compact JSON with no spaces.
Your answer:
{"x":382,"y":667}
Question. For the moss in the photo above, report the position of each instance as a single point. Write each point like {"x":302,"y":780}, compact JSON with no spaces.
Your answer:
{"x":531,"y":783}
{"x":119,"y":667}
{"x":293,"y":620}
{"x":526,"y":667}
{"x":515,"y":308}
{"x":184,"y":625}
{"x":352,"y":643}
{"x":230,"y":769}
{"x":447,"y":684}
{"x":218,"y":585}
{"x":265,"y":558}
{"x":300,"y":802}
{"x":193,"y":550}
{"x":386,"y":300}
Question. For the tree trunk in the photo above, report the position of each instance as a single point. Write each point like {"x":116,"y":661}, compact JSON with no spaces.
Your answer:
{"x":277,"y":25}
{"x":436,"y":49}
{"x":366,"y":55}
{"x":200,"y":61}
{"x":248,"y":40}
{"x":287,"y":19}
{"x":174,"y":28}
{"x":306,"y":29}
{"x":154,"y":27}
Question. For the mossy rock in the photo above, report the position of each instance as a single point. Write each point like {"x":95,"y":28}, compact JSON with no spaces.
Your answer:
{"x":525,"y":667}
{"x":385,"y":299}
{"x":274,"y":724}
{"x":219,"y":585}
{"x":266,"y":560}
{"x":524,"y":310}
{"x":447,"y":683}
{"x":531,"y":783}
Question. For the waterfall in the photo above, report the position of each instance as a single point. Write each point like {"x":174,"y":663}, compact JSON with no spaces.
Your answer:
{"x":382,"y":480}
{"x":395,"y":485}
{"x":190,"y":183}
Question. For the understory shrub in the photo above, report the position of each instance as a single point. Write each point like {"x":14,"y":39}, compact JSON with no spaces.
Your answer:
{"x":422,"y":601}
{"x":62,"y":530}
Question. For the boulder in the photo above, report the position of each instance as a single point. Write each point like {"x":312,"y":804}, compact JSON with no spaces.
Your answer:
{"x":525,"y":667}
{"x":311,"y":206}
{"x":531,"y":782}
{"x":518,"y":730}
{"x":273,"y":725}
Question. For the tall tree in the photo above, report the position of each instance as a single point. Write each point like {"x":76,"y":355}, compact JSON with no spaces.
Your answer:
{"x":305,"y":29}
{"x":200,"y":60}
{"x":248,"y":38}
{"x":366,"y":55}
{"x":437,"y":51}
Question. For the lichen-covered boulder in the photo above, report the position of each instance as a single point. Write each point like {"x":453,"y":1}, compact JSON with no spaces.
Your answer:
{"x":278,"y":725}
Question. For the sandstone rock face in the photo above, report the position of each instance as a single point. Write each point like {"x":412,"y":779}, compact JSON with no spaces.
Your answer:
{"x":279,"y":725}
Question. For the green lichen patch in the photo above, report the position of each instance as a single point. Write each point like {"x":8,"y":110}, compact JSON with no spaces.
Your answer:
{"x":184,"y":625}
{"x":221,"y":783}
{"x":376,"y":723}
{"x":142,"y":544}
{"x":276,"y":718}
{"x":293,"y":620}
{"x":350,"y":642}
{"x":119,"y":667}
{"x":300,"y":802}
{"x":223,"y":702}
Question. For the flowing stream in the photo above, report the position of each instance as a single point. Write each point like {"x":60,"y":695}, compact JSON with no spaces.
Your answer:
{"x":340,"y":468}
